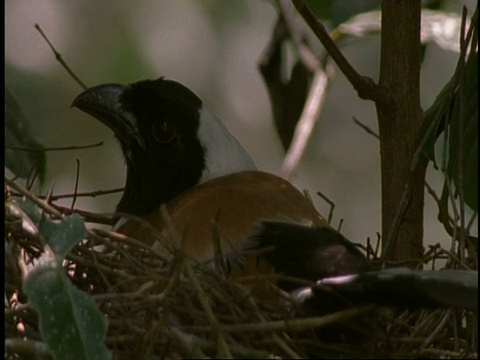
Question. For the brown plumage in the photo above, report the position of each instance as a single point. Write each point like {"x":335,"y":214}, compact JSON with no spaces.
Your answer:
{"x":215,"y":206}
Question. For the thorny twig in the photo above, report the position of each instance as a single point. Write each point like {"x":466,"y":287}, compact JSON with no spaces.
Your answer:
{"x":59,"y":58}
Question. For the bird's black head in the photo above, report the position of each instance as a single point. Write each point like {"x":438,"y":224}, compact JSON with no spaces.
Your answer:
{"x":169,"y":141}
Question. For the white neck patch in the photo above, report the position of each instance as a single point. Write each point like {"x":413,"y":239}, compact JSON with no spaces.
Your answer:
{"x":223,"y":153}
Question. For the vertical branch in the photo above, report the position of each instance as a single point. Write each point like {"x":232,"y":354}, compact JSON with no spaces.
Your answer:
{"x":397,"y":99}
{"x":399,"y":123}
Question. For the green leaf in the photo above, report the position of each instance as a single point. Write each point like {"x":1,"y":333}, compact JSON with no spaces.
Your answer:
{"x":463,"y":145}
{"x":454,"y":117}
{"x":62,"y":235}
{"x":30,"y":209}
{"x":70,"y":322}
{"x":435,"y":116}
{"x":18,"y":134}
{"x":455,"y":110}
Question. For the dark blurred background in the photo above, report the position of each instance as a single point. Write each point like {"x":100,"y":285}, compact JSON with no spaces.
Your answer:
{"x":213,"y":47}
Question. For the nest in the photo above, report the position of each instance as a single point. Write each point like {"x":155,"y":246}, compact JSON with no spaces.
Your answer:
{"x":161,"y":306}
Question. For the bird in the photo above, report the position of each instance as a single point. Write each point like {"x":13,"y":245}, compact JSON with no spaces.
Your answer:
{"x":179,"y":156}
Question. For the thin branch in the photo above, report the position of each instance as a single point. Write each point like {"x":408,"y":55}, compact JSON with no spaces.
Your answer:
{"x":48,"y":195}
{"x":59,"y":58}
{"x":366,"y":128}
{"x":303,"y":130}
{"x":60,"y":148}
{"x":85,"y":194}
{"x":291,"y":324}
{"x":41,"y":203}
{"x":32,"y":176}
{"x":365,"y":86}
{"x":445,"y":219}
{"x":437,"y":329}
{"x":77,"y":179}
{"x":86,"y":215}
{"x":222,"y":346}
{"x":329,"y":202}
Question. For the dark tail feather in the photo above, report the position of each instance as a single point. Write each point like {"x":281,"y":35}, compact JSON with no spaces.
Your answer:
{"x":397,"y":286}
{"x":309,"y":253}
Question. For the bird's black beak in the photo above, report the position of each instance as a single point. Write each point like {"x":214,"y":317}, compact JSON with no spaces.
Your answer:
{"x":103,"y":103}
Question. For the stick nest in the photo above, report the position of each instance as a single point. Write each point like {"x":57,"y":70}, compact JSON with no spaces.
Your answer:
{"x":162,"y":306}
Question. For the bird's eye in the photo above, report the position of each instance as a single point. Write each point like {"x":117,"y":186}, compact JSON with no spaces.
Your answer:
{"x":163,"y":131}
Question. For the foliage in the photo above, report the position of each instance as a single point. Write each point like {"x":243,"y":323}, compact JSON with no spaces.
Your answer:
{"x":453,"y":120}
{"x":70,"y":322}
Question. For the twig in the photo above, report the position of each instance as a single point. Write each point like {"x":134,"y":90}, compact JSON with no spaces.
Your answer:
{"x":59,"y":148}
{"x":222,"y":349}
{"x":276,"y":338}
{"x":433,"y":353}
{"x":43,"y":204}
{"x":132,"y":261}
{"x":365,"y":86}
{"x":340,"y":225}
{"x":284,"y":346}
{"x":172,"y":282}
{"x":99,"y":234}
{"x":59,"y":58}
{"x":87,"y":215}
{"x":366,"y":128}
{"x":32,"y":176}
{"x":241,"y":350}
{"x":188,"y":342}
{"x":293,"y":324}
{"x":303,"y":130}
{"x":330,"y":202}
{"x":454,"y":260}
{"x":77,"y":179}
{"x":377,"y":245}
{"x":93,"y":194}
{"x":48,"y":195}
{"x":444,"y":218}
{"x":437,"y":329}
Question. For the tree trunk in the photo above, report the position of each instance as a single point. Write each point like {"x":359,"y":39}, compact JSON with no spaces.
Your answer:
{"x":400,"y":118}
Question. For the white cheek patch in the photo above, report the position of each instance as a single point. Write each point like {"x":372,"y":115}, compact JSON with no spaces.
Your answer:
{"x":223,"y":153}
